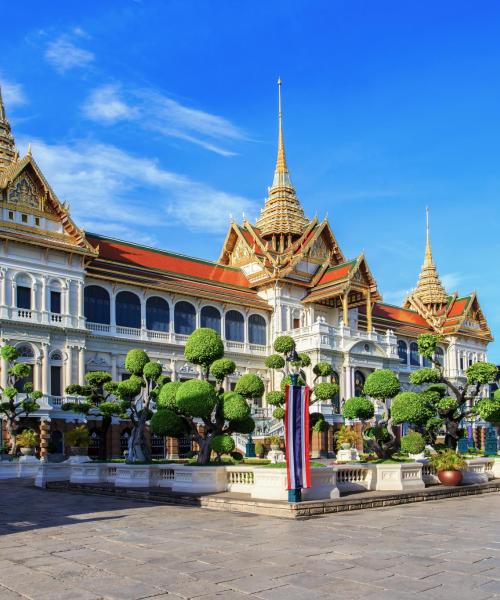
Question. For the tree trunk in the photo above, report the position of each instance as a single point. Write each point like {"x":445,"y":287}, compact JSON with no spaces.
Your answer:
{"x":204,"y":451}
{"x":451,"y":436}
{"x":11,"y":430}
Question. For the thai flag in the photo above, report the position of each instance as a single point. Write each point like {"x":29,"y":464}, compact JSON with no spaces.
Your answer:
{"x":297,"y":436}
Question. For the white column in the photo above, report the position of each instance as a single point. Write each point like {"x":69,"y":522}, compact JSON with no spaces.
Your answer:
{"x":66,"y":297}
{"x":112,"y":311}
{"x":81,"y":366}
{"x":80,"y":301}
{"x":34,"y":290}
{"x":68,"y":375}
{"x":13,"y":298}
{"x":3,"y":287}
{"x":45,"y":369}
{"x":143,"y":313}
{"x":114,"y":370}
{"x":45,"y":292}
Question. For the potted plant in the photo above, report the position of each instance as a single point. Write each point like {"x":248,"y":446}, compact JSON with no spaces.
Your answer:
{"x":27,"y":440}
{"x":259,"y":450}
{"x":78,"y":439}
{"x":346,"y":438}
{"x":275,"y":442}
{"x":413,"y":444}
{"x":448,"y":465}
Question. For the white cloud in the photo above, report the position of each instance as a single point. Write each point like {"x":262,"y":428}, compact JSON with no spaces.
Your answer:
{"x":451,"y":281}
{"x":112,"y":191}
{"x":104,"y":104}
{"x":12,"y":93}
{"x":156,"y":112}
{"x":63,"y":54}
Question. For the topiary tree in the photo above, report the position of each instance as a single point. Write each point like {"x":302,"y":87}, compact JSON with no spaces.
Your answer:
{"x":136,"y":396}
{"x":203,"y":347}
{"x":207,"y":414}
{"x":462,"y":401}
{"x":98,"y":401}
{"x":489,"y":408}
{"x":382,"y":386}
{"x":412,"y":408}
{"x":413,"y":443}
{"x":18,"y":399}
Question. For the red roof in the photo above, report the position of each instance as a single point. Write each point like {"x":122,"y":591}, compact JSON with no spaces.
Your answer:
{"x":150,"y":258}
{"x":335,"y":273}
{"x":394,"y":313}
{"x":458,"y":307}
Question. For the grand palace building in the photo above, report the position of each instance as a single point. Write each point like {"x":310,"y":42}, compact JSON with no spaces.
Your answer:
{"x":72,"y":301}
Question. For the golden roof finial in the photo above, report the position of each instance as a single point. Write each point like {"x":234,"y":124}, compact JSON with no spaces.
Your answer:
{"x":7,"y":143}
{"x":429,"y":289}
{"x":282,"y":213}
{"x":29,"y":149}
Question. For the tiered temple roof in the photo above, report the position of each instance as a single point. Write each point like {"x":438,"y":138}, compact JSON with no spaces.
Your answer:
{"x":8,"y":152}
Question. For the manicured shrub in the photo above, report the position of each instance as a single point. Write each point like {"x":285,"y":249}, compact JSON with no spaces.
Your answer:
{"x":203,"y":347}
{"x":196,"y":398}
{"x":323,"y":369}
{"x":250,"y":386}
{"x":427,"y":344}
{"x":167,"y":395}
{"x":21,"y":370}
{"x":222,"y":368}
{"x":166,"y":422}
{"x":135,"y":361}
{"x":358,"y":408}
{"x":275,"y":361}
{"x":426,"y":375}
{"x":447,"y":404}
{"x":245,"y":425}
{"x":412,"y":443}
{"x":130,"y":387}
{"x":279,"y":413}
{"x":481,"y":373}
{"x":489,"y":410}
{"x":97,"y":379}
{"x":326,"y":391}
{"x":382,"y":384}
{"x":283,"y":344}
{"x":305,"y":359}
{"x":410,"y":407}
{"x":259,"y":449}
{"x":222,"y":444}
{"x":152,"y":370}
{"x":237,"y":456}
{"x":275,"y":398}
{"x":234,"y":407}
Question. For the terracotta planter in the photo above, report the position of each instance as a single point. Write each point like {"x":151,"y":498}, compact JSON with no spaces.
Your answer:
{"x":450,"y":477}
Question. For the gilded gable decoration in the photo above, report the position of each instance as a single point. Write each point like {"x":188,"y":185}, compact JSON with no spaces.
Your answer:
{"x":23,"y":193}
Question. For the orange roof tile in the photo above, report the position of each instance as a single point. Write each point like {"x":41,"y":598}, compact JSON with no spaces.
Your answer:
{"x":124,"y":252}
{"x":394,"y":313}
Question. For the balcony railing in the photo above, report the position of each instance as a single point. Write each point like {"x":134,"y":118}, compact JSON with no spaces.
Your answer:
{"x":168,"y":337}
{"x":27,"y":315}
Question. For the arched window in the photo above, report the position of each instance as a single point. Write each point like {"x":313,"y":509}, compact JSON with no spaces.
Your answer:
{"x":25,"y":351}
{"x":414,"y":355}
{"x":56,"y":445}
{"x":402,"y":352}
{"x":184,"y":318}
{"x":96,"y":304}
{"x":210,"y":317}
{"x":128,"y":310}
{"x":56,"y":356}
{"x":157,"y":314}
{"x":257,"y":330}
{"x":359,"y":383}
{"x":440,"y":356}
{"x":426,"y":362}
{"x":235,"y":326}
{"x":95,"y":443}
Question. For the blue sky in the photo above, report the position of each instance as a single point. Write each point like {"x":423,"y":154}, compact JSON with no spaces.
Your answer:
{"x":156,"y":120}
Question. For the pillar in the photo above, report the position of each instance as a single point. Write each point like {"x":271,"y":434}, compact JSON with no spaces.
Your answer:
{"x":79,"y":299}
{"x":345,"y":309}
{"x":114,"y":370}
{"x":81,"y":366}
{"x":44,"y":438}
{"x":172,"y":448}
{"x":69,"y":367}
{"x":45,"y":370}
{"x":45,"y":304}
{"x":369,"y":326}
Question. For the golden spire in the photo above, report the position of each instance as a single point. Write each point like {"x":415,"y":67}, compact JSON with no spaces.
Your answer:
{"x":430,"y":290}
{"x":282,"y":214}
{"x":7,"y":145}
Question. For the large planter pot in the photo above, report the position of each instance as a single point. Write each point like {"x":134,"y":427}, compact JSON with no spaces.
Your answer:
{"x":78,"y":454}
{"x":397,"y":477}
{"x":450,"y":477}
{"x":199,"y":480}
{"x":79,"y":450}
{"x":270,"y":484}
{"x":86,"y":472}
{"x":475,"y":472}
{"x":52,"y":472}
{"x":27,"y":451}
{"x":136,"y":476}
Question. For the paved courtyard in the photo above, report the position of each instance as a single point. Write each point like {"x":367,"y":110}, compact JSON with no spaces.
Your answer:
{"x":56,"y":545}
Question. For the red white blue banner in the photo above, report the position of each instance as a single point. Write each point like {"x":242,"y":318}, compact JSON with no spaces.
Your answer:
{"x":297,"y":436}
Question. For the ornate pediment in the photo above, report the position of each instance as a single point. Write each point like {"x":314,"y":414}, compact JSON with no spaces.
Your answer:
{"x":23,"y":193}
{"x":241,"y":253}
{"x":319,"y":250}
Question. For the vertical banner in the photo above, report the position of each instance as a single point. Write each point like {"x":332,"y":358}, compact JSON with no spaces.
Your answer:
{"x":297,"y":436}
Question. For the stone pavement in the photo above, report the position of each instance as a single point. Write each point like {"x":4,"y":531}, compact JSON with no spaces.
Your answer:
{"x":58,"y":546}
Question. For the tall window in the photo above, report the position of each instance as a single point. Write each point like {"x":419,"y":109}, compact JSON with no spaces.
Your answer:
{"x":157,"y":314}
{"x":55,"y":302}
{"x":440,"y":356}
{"x":414,"y":355}
{"x":426,"y":362}
{"x":402,"y":352}
{"x":235,"y":326}
{"x":55,"y":380}
{"x":359,"y":383}
{"x":210,"y":317}
{"x":23,"y":299}
{"x":26,"y":354}
{"x":96,"y":304}
{"x":128,"y":310}
{"x":184,"y":318}
{"x":257,"y":330}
